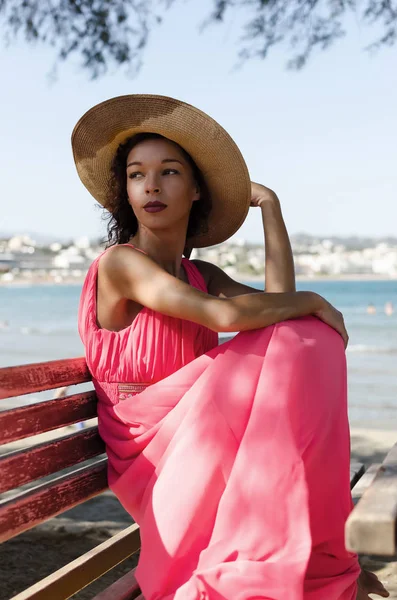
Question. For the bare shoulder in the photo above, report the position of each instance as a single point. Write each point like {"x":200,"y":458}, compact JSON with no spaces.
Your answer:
{"x":119,"y":257}
{"x":220,"y":283}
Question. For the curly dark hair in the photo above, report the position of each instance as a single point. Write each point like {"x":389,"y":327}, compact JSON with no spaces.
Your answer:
{"x":122,"y":222}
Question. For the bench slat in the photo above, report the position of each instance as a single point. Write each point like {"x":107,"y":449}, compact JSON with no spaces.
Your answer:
{"x":371,"y":527}
{"x":76,"y":575}
{"x":23,"y":466}
{"x":29,"y":508}
{"x":21,"y":422}
{"x":125,"y":588}
{"x":36,"y":377}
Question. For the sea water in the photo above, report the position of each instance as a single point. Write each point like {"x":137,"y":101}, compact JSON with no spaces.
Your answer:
{"x":39,"y":323}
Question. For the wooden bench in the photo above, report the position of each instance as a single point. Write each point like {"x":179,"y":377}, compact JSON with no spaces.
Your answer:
{"x":32,"y":506}
{"x":372,"y":525}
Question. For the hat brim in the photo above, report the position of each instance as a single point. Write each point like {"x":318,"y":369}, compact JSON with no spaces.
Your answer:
{"x":101,"y":130}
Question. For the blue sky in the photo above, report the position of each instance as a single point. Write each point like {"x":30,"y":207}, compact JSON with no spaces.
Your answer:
{"x":323,"y":138}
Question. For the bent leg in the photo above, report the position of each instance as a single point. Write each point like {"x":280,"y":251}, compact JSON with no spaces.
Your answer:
{"x":320,"y":423}
{"x":297,"y":430}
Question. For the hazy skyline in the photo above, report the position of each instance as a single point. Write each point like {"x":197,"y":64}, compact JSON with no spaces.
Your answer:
{"x":323,"y":138}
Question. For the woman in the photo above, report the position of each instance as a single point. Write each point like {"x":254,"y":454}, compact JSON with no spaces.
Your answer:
{"x":233,"y":459}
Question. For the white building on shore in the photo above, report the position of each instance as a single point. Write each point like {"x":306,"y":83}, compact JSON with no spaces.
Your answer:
{"x":22,"y":257}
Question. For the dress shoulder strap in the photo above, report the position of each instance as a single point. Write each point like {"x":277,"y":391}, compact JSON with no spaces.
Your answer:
{"x":136,"y":248}
{"x":195,"y":277}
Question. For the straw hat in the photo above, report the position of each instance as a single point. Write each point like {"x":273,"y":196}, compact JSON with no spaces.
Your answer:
{"x":104,"y":127}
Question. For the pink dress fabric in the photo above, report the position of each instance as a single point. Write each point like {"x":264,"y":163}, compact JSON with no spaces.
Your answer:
{"x":234,"y":461}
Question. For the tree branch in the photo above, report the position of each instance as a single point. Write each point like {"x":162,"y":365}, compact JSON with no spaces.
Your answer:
{"x":112,"y":33}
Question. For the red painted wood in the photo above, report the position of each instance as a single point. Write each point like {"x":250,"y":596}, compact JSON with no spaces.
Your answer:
{"x":23,"y":466}
{"x":25,"y":421}
{"x":34,"y":506}
{"x":26,"y":379}
{"x":125,"y":588}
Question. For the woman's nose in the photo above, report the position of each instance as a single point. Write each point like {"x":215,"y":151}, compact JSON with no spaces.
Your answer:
{"x":152,"y":186}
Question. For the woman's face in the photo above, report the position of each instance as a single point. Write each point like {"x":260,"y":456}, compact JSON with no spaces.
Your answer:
{"x":157,"y":171}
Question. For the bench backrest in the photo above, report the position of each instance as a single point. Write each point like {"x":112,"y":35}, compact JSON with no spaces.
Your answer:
{"x":18,"y":468}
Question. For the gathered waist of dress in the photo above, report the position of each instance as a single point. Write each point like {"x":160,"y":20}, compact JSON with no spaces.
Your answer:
{"x":126,"y":390}
{"x":113,"y":392}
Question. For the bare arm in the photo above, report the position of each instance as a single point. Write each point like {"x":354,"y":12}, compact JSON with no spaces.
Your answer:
{"x":279,"y":262}
{"x":137,"y":277}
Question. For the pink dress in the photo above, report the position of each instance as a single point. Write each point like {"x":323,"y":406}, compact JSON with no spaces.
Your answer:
{"x":234,"y":461}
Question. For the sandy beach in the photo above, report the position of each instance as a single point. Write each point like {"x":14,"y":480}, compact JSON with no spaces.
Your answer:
{"x":37,"y":553}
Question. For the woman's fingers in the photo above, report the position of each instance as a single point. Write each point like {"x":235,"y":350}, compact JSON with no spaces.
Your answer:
{"x":334,"y":318}
{"x":369,"y":584}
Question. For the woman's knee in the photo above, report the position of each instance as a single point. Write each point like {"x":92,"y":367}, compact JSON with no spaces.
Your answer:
{"x":309,"y":333}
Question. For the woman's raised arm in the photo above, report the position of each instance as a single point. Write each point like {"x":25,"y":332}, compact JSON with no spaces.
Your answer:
{"x":279,"y":262}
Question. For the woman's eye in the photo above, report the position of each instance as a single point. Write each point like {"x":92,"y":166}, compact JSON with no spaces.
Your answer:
{"x":134,"y":175}
{"x":170,"y":172}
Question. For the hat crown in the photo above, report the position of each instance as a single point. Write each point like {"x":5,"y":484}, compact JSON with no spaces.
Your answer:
{"x":98,"y":134}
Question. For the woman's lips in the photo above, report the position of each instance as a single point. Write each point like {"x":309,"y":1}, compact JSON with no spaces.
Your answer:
{"x":153,"y":209}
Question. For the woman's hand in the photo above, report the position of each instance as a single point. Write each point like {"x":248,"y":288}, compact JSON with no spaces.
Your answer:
{"x":260,"y":194}
{"x":368,"y":583}
{"x":334,"y":318}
